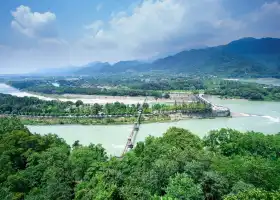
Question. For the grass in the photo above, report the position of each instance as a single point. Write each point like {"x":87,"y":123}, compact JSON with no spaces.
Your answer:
{"x":92,"y":121}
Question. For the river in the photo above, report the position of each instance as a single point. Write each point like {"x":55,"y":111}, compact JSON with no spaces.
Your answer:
{"x":88,"y":99}
{"x":257,"y":116}
{"x":265,"y":81}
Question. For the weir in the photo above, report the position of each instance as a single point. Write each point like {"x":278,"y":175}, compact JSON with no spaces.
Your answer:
{"x":217,"y":111}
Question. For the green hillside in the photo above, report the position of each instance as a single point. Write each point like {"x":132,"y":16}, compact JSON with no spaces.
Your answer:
{"x":247,"y":57}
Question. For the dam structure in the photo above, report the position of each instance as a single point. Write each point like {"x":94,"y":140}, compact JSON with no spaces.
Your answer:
{"x":217,"y":111}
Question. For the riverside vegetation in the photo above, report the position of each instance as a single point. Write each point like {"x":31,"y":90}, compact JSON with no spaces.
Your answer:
{"x":225,"y":164}
{"x":158,"y":86}
{"x":35,"y":111}
{"x":251,"y":91}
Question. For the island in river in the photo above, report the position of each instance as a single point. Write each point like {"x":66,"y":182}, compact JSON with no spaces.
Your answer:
{"x":35,"y":111}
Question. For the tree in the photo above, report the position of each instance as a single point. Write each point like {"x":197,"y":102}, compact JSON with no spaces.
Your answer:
{"x":79,"y":103}
{"x":240,"y":186}
{"x":182,"y":187}
{"x":256,"y":194}
{"x":227,"y":164}
{"x":83,"y":157}
{"x":214,"y":186}
{"x":76,"y":144}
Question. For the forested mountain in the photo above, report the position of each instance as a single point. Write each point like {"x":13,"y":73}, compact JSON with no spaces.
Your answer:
{"x":126,"y":66}
{"x":226,"y":164}
{"x":244,"y":57}
{"x":91,"y":68}
{"x":247,"y":57}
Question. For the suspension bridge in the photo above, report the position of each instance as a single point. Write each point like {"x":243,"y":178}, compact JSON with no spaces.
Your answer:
{"x":133,"y":135}
{"x":218,"y":111}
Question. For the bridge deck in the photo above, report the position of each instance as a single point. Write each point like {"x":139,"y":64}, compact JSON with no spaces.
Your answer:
{"x":133,"y":135}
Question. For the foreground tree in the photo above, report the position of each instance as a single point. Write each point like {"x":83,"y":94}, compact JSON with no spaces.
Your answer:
{"x":182,"y":187}
{"x":227,"y":164}
{"x":255,"y":194}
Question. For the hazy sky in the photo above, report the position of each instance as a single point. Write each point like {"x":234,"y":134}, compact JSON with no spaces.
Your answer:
{"x":38,"y":34}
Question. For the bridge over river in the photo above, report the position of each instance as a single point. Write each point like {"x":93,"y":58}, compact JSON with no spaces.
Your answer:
{"x":217,"y":111}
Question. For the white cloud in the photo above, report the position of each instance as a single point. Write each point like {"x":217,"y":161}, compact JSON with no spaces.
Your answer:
{"x":94,"y":27}
{"x":152,"y":28}
{"x":160,"y":25}
{"x":33,"y":24}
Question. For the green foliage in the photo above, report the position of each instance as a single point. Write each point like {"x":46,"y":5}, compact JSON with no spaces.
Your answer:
{"x":255,"y":194}
{"x":214,"y":185}
{"x":184,"y":139}
{"x":46,"y":88}
{"x":183,"y":187}
{"x":190,"y":108}
{"x":82,"y":158}
{"x":261,"y":172}
{"x":79,"y":103}
{"x":33,"y":163}
{"x":230,"y":142}
{"x":240,"y":186}
{"x":226,"y":164}
{"x":8,"y":125}
{"x":251,"y":91}
{"x":33,"y":111}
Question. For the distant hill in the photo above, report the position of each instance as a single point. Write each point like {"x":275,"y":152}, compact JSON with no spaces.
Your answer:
{"x":244,"y":57}
{"x":127,"y":66}
{"x":240,"y":58}
{"x":247,"y":57}
{"x":91,"y":68}
{"x":254,"y":46}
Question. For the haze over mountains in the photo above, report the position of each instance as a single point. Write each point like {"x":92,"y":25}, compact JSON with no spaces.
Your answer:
{"x":244,"y":57}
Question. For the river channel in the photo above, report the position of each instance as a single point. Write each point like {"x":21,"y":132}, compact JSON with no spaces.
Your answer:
{"x":250,"y":115}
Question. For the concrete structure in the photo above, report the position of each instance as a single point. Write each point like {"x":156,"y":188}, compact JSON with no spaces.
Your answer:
{"x":217,"y":111}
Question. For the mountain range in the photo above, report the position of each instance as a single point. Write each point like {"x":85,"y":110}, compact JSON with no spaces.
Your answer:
{"x":241,"y":58}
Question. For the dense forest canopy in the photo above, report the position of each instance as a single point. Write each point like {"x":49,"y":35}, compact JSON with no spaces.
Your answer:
{"x":117,"y":86}
{"x":226,"y":164}
{"x":251,"y":91}
{"x":83,"y":87}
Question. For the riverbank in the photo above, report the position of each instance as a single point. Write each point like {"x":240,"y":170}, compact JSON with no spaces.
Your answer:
{"x":103,"y":99}
{"x":175,"y":95}
{"x":93,"y":121}
{"x":250,"y":100}
{"x":108,"y":121}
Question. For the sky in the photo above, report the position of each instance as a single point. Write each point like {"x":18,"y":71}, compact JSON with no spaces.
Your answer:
{"x":39,"y":34}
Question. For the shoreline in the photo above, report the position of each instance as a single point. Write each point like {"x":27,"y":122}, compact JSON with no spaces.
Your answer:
{"x":102,"y":122}
{"x":92,"y":99}
{"x":103,"y":99}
